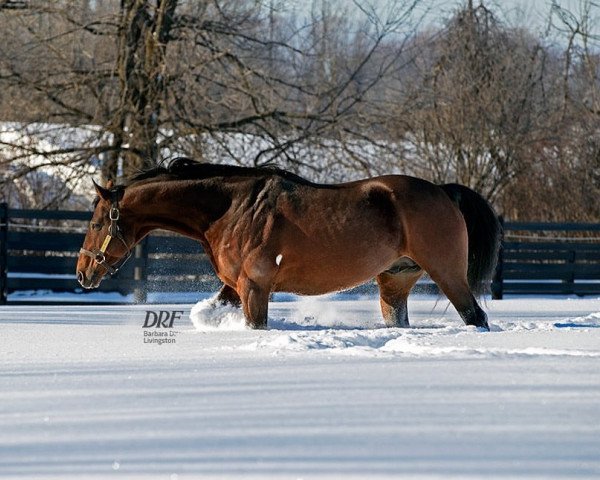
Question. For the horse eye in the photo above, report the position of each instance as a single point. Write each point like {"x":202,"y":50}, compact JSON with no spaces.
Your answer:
{"x":95,"y":226}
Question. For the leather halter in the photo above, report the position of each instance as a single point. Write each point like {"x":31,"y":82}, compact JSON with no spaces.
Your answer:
{"x":99,"y":255}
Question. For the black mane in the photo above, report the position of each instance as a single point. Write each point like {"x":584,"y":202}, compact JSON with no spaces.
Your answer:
{"x":187,"y":169}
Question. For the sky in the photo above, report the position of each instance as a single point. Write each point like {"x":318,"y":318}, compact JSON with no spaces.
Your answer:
{"x":533,"y":14}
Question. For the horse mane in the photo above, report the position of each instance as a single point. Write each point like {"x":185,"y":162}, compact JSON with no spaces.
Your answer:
{"x":187,"y":169}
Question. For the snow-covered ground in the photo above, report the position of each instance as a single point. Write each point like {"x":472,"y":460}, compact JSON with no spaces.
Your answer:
{"x":325,"y":393}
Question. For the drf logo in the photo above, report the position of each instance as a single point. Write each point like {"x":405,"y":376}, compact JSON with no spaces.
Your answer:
{"x":161,"y":319}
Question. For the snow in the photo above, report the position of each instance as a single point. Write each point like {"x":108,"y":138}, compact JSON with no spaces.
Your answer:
{"x":326,"y":392}
{"x":209,"y":315}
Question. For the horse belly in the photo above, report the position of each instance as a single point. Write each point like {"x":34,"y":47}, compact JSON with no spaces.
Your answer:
{"x":331,"y":271}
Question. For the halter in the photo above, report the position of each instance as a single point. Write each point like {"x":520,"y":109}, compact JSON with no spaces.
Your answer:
{"x":113,"y":232}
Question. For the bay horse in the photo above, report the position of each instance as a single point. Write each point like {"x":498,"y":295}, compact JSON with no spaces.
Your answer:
{"x":267,"y":230}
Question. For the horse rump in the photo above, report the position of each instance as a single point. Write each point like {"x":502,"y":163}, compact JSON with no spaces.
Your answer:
{"x":484,"y":231}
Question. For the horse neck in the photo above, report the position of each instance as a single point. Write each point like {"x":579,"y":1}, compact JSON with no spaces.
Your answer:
{"x":184,"y":207}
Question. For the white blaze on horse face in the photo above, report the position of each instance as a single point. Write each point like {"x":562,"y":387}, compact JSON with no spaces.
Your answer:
{"x":278,"y":259}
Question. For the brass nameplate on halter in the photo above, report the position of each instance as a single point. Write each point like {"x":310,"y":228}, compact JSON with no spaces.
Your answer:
{"x":105,"y":243}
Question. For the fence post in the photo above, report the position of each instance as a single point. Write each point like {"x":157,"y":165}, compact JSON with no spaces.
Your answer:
{"x":571,"y":278}
{"x":3,"y":252}
{"x":139,"y":271}
{"x":497,"y":281}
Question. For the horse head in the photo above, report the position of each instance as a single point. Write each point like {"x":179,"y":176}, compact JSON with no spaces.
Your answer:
{"x":107,"y":244}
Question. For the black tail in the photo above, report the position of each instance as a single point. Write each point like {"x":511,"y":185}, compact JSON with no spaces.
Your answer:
{"x":484,"y":235}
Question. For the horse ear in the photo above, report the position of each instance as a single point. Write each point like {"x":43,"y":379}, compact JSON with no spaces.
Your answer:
{"x":102,"y":192}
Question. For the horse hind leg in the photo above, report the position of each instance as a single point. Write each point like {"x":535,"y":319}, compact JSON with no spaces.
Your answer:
{"x":465,"y":303}
{"x":456,"y":288}
{"x":394,"y":286}
{"x":445,"y":258}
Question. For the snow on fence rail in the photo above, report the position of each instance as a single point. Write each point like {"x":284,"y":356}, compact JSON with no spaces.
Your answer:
{"x":39,"y":249}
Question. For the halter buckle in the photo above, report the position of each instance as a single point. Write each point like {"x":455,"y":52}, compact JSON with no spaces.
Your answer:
{"x":100,"y":258}
{"x":114,"y":214}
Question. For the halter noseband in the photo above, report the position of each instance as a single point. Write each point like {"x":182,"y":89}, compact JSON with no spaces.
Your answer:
{"x":99,"y":256}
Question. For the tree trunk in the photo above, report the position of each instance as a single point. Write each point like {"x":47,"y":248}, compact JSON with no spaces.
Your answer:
{"x":141,"y":65}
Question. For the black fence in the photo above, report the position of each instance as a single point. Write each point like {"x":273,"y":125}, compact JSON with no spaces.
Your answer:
{"x":548,"y":258}
{"x":39,"y":249}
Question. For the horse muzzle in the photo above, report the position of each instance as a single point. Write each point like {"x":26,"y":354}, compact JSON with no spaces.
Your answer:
{"x":90,"y":282}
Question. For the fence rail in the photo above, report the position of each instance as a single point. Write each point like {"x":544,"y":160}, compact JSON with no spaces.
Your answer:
{"x":548,"y":258}
{"x":39,"y":249}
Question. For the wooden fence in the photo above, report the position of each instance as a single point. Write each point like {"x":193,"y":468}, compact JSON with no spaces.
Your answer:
{"x":39,"y":249}
{"x":548,"y":258}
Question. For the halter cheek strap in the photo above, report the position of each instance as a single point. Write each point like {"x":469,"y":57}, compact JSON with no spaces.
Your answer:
{"x":99,"y":256}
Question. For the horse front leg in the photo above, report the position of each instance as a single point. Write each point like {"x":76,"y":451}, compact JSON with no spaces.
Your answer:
{"x":255,"y":303}
{"x":228,"y":296}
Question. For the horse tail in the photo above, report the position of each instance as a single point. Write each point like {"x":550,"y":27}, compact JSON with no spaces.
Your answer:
{"x":484,"y":233}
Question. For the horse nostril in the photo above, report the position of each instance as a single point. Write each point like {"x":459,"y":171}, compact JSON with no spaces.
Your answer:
{"x":80,"y":277}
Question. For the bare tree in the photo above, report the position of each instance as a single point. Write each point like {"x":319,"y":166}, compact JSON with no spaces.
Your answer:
{"x":144,"y":31}
{"x":332,"y":90}
{"x":154,"y":78}
{"x":574,"y":176}
{"x":480,"y":107}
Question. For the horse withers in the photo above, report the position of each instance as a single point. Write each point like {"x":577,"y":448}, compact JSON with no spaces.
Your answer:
{"x":267,"y":230}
